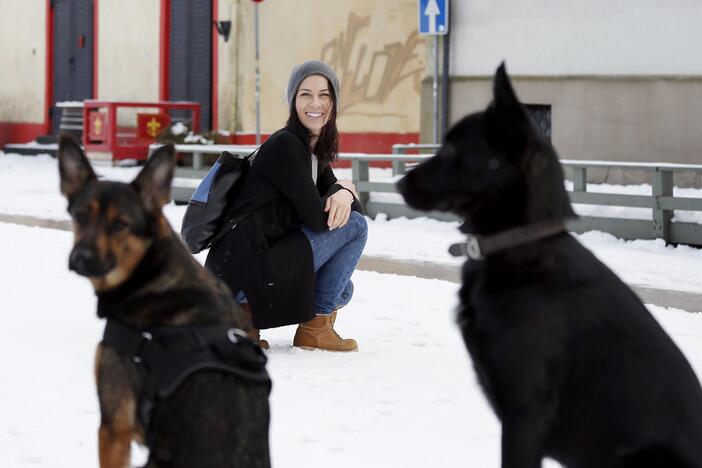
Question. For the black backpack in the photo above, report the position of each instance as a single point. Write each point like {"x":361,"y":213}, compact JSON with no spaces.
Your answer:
{"x":203,"y":222}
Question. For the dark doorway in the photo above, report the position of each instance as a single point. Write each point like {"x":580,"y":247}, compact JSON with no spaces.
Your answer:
{"x":73,"y":54}
{"x":190,"y":55}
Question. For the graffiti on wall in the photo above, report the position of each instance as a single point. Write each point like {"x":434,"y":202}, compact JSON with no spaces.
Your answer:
{"x":367,"y":75}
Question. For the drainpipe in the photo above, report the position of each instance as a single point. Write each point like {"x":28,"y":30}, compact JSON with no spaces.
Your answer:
{"x":234,"y":70}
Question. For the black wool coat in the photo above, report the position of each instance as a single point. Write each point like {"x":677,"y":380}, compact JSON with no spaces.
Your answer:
{"x":266,"y":254}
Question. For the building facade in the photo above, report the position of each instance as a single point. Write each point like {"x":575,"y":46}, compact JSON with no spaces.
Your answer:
{"x":619,"y":81}
{"x":171,"y":50}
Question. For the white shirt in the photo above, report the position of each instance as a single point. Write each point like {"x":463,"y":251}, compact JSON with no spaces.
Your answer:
{"x":314,"y":168}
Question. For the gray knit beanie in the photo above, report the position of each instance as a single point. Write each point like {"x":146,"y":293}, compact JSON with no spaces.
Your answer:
{"x":311,"y":67}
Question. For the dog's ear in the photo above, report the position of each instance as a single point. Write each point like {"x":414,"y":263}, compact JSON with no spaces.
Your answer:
{"x":509,"y":126}
{"x":75,"y":171}
{"x":154,"y":181}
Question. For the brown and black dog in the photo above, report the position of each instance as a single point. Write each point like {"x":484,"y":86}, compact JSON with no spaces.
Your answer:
{"x":174,"y":370}
{"x":575,"y":367}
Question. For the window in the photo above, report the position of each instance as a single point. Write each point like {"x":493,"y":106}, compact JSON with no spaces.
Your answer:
{"x":541,"y":113}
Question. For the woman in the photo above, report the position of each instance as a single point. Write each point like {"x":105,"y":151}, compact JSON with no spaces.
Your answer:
{"x":291,"y":257}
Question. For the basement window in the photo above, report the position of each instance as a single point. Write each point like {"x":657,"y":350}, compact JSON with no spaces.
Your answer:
{"x":541,"y":113}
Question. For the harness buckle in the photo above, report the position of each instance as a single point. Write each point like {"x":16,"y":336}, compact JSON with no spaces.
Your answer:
{"x":146,"y":337}
{"x":473,"y":248}
{"x":234,"y":333}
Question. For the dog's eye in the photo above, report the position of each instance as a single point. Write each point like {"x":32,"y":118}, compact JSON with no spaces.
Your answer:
{"x":118,"y":225}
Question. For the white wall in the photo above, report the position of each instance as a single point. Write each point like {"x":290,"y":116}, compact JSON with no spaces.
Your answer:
{"x":128,"y":38}
{"x":23,"y":53}
{"x":577,"y":37}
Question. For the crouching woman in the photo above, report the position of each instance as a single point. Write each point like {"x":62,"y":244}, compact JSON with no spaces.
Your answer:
{"x":290,"y":258}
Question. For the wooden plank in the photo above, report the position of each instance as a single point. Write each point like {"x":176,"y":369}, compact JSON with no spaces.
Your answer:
{"x":385,"y":187}
{"x":623,"y":228}
{"x":384,"y":157}
{"x":639,"y":166}
{"x":190,"y":173}
{"x":686,"y":233}
{"x":680,"y":203}
{"x":611,"y":199}
{"x":395,"y":210}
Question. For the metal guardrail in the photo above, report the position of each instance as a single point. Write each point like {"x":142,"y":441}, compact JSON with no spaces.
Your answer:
{"x":399,"y":167}
{"x":662,"y":200}
{"x":198,"y":151}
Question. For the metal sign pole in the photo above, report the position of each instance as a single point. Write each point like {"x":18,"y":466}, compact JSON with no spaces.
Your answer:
{"x":258,"y":80}
{"x":435,"y":90}
{"x":433,"y":21}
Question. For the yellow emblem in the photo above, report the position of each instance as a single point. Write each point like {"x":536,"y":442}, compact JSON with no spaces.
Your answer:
{"x":97,"y":125}
{"x":153,"y":126}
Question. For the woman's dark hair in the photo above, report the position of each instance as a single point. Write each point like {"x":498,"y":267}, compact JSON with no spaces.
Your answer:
{"x":327,"y":147}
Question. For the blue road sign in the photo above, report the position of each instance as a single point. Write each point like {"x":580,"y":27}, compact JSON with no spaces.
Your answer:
{"x":433,"y":16}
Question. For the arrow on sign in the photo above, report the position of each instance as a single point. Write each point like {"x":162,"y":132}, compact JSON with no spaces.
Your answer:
{"x":432,"y":11}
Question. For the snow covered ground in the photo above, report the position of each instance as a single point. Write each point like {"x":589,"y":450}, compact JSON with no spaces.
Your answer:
{"x":29,"y":186}
{"x":407,"y":399}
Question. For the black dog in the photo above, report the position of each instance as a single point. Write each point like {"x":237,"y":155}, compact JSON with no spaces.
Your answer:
{"x":574,"y":365}
{"x":175,"y":369}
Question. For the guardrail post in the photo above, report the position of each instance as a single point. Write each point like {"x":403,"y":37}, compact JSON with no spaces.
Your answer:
{"x":580,"y":179}
{"x":398,"y":167}
{"x":662,"y":187}
{"x":359,"y":173}
{"x":197,"y":160}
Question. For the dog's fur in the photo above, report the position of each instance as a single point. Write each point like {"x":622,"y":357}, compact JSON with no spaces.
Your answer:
{"x":573,"y":364}
{"x":212,"y":419}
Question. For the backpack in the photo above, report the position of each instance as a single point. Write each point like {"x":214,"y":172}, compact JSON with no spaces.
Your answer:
{"x":204,"y":217}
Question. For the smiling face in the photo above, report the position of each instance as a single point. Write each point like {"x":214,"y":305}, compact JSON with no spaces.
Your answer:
{"x":313,"y":103}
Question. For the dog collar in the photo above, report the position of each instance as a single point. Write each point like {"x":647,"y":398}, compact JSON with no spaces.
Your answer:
{"x":477,"y":247}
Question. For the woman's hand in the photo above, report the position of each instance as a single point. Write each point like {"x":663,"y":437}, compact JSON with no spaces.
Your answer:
{"x":339,"y":208}
{"x":346,"y":183}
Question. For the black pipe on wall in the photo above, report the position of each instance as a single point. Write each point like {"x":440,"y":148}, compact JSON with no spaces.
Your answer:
{"x":445,"y":82}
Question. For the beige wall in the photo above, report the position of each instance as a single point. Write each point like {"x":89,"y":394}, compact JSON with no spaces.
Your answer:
{"x":128,"y":42}
{"x":23,"y":52}
{"x":373,"y":46}
{"x":647,"y":119}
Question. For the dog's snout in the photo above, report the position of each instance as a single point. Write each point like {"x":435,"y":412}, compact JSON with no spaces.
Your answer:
{"x":86,"y":261}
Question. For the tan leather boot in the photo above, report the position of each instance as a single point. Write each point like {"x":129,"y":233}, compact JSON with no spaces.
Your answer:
{"x":319,"y":333}
{"x":254,"y":333}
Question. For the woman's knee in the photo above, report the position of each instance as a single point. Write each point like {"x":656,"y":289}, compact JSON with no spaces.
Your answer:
{"x":359,"y":225}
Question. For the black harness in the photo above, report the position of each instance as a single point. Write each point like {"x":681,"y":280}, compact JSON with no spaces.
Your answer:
{"x":167,"y":355}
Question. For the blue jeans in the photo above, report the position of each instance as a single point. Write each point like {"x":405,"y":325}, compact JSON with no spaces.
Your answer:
{"x":336,"y":254}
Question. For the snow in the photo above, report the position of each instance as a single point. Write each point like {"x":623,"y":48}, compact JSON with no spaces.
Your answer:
{"x":179,"y":128}
{"x":408,"y":398}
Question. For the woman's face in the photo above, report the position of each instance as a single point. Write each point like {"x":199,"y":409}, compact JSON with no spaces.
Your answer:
{"x":313,"y":103}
